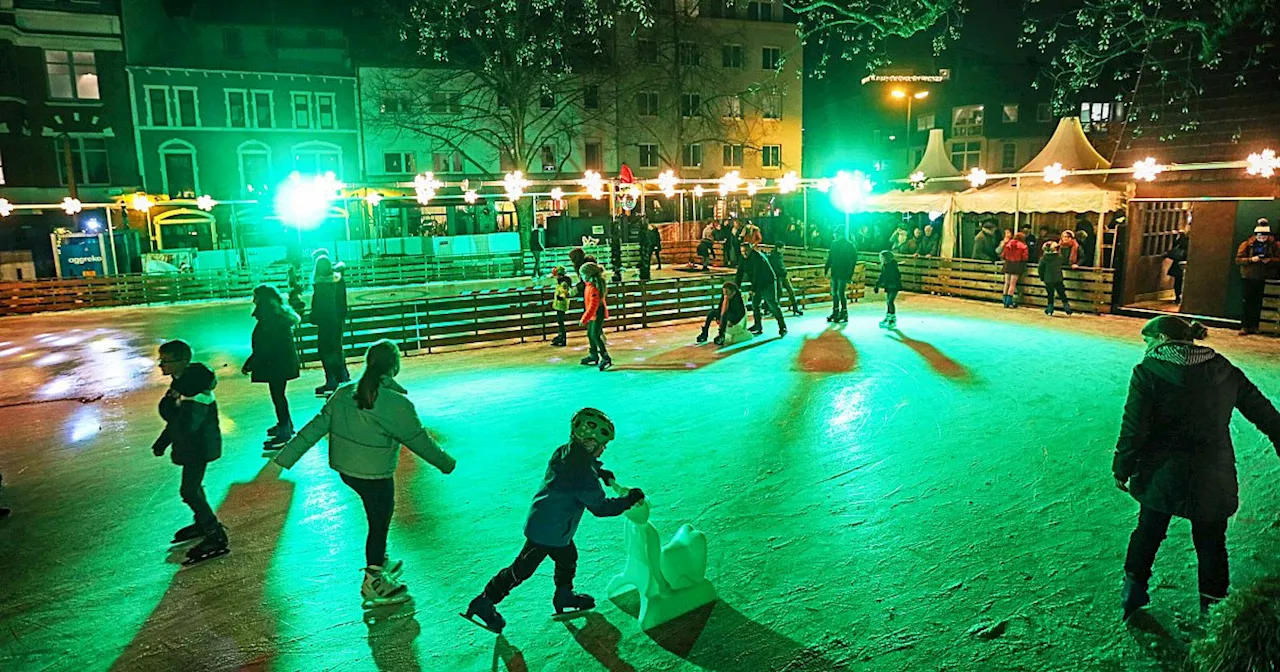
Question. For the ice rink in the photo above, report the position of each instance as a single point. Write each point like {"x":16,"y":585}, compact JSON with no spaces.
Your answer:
{"x":936,"y":498}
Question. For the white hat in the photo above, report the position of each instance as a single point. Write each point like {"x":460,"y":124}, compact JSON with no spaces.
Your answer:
{"x":1263,"y":227}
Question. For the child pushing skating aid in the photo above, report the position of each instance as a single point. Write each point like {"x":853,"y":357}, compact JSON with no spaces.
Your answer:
{"x":570,"y":486}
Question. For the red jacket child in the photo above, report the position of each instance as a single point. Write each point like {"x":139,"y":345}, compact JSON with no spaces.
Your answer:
{"x":593,"y":296}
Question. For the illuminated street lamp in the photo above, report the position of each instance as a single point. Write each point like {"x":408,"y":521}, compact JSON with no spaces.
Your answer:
{"x":909,"y":96}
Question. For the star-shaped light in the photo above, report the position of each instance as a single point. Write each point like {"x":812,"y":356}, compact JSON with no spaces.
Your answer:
{"x":788,"y":183}
{"x":514,"y":184}
{"x":977,"y":177}
{"x":1264,"y":164}
{"x":6,"y":208}
{"x":470,"y":196}
{"x":917,"y":179}
{"x":730,"y":182}
{"x":1055,"y":173}
{"x":206,"y":203}
{"x":425,"y":187}
{"x":667,"y":182}
{"x":373,"y":198}
{"x":593,"y":183}
{"x":557,"y":194}
{"x":698,"y":191}
{"x":1147,"y":169}
{"x":824,"y":185}
{"x":71,"y":205}
{"x":141,"y":202}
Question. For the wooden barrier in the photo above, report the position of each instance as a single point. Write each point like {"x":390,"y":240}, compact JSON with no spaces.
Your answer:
{"x":1271,"y":309}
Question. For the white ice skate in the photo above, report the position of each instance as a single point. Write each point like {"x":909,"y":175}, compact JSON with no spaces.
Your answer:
{"x":379,"y":589}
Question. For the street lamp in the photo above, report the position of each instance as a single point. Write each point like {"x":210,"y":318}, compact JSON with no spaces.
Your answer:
{"x":909,"y":96}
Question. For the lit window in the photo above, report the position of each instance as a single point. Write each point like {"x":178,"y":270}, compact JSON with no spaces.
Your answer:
{"x":771,"y":106}
{"x":398,"y":163}
{"x":732,"y":156}
{"x":72,"y":75}
{"x":1009,"y":113}
{"x":301,"y":110}
{"x":771,"y":58}
{"x":925,"y":122}
{"x":967,"y":120}
{"x":771,"y":156}
{"x":648,"y":155}
{"x":966,"y":155}
{"x":446,"y":162}
{"x":691,"y":155}
{"x":1,"y":169}
{"x":733,"y":107}
{"x":549,"y":159}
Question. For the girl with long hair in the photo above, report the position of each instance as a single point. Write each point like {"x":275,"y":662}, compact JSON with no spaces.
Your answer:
{"x":594,"y":313}
{"x":1014,"y":252}
{"x":275,"y":359}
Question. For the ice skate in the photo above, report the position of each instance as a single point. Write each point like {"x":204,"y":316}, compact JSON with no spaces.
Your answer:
{"x":843,"y":317}
{"x":380,"y":588}
{"x":606,"y":363}
{"x":282,"y":435}
{"x":1048,"y":310}
{"x":702,"y":338}
{"x":213,"y":545}
{"x":558,"y":342}
{"x":782,"y":331}
{"x":568,"y":603}
{"x":483,"y":613}
{"x":589,"y":360}
{"x":833,"y":316}
{"x":188,"y":533}
{"x":756,"y":329}
{"x":893,"y":321}
{"x":1133,"y":596}
{"x":884,"y":324}
{"x":719,"y":340}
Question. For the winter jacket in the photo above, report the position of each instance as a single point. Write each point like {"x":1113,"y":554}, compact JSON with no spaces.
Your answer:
{"x":595,"y":302}
{"x":756,"y":269}
{"x":1014,"y":255}
{"x":365,"y":443}
{"x":732,"y":312}
{"x":655,"y":239}
{"x":1175,"y":439}
{"x":842,"y":260}
{"x":570,"y":486}
{"x":1050,"y":268}
{"x":563,"y":291}
{"x":906,"y":247}
{"x":274,"y":358}
{"x":190,"y":413}
{"x":984,"y":246}
{"x":1070,"y":251}
{"x":329,"y":303}
{"x":537,"y":239}
{"x":778,"y":263}
{"x":1033,"y":252}
{"x":930,"y":246}
{"x":890,"y":278}
{"x":751,"y":234}
{"x":1268,"y":268}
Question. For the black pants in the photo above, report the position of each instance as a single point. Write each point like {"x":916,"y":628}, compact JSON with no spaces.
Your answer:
{"x":1060,"y":289}
{"x":769,"y":297}
{"x":646,"y":257}
{"x":526,"y":563}
{"x":890,"y":297}
{"x":561,"y":334}
{"x":1176,"y":271}
{"x":379,"y":497}
{"x":280,"y":402}
{"x":1253,"y":290}
{"x":785,"y":282}
{"x":1210,"y":538}
{"x":713,"y":315}
{"x":657,"y":254}
{"x":329,"y":344}
{"x":839,"y":302}
{"x":192,"y":493}
{"x":595,"y":336}
{"x":537,"y":262}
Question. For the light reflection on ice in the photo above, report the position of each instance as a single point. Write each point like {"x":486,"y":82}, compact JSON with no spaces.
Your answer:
{"x":56,"y":387}
{"x":10,"y":351}
{"x":53,"y":358}
{"x":84,"y":423}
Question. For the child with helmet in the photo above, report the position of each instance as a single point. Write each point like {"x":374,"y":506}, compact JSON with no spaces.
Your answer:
{"x":570,"y":486}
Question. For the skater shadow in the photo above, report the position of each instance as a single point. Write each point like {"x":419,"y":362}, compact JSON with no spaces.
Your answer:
{"x":600,"y":638}
{"x":692,"y":357}
{"x":943,"y":365}
{"x":830,"y":352}
{"x":1149,"y":633}
{"x":218,"y":609}
{"x":508,"y":655}
{"x":393,"y":638}
{"x":719,"y":637}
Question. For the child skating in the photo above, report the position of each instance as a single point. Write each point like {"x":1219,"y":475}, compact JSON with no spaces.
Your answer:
{"x":890,"y":281}
{"x":595,"y":311}
{"x":366,"y":423}
{"x":570,"y":486}
{"x":190,"y":413}
{"x":274,"y":360}
{"x":560,"y":303}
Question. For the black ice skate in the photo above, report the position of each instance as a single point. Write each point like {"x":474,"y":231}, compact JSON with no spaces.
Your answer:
{"x":1133,"y":596}
{"x":213,"y":545}
{"x":606,"y":362}
{"x":702,"y":338}
{"x":589,"y":360}
{"x":568,"y":603}
{"x":483,"y":613}
{"x":188,"y":533}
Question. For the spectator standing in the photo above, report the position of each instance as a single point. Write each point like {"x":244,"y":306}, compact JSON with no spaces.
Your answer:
{"x":1050,"y":271}
{"x":1069,"y":249}
{"x":1014,"y":255}
{"x":1177,"y":256}
{"x":1259,"y":261}
{"x":902,"y":243}
{"x":984,"y":244}
{"x":655,"y":243}
{"x":931,"y":243}
{"x":537,"y":243}
{"x":1033,"y":252}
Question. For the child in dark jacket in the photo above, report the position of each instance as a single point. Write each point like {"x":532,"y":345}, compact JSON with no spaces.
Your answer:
{"x":728,"y":311}
{"x":191,"y":428}
{"x":1050,"y":270}
{"x":570,"y":486}
{"x":560,"y":303}
{"x":890,"y":281}
{"x":274,"y":359}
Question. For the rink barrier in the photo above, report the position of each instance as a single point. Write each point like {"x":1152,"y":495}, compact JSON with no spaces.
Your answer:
{"x":137,"y":289}
{"x":525,"y":314}
{"x":1271,"y":309}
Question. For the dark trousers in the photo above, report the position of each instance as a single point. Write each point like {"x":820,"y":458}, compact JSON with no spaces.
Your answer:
{"x":526,"y":563}
{"x":192,"y":493}
{"x":768,"y":297}
{"x":657,"y":254}
{"x":280,"y":402}
{"x":537,"y":262}
{"x":839,"y":302}
{"x":595,"y":337}
{"x":785,"y":282}
{"x":561,"y":334}
{"x":379,"y":497}
{"x":713,"y":315}
{"x":1060,"y":289}
{"x":329,"y":345}
{"x":1176,"y":271}
{"x":646,"y":257}
{"x":1253,"y":290}
{"x":890,"y":296}
{"x":1209,"y":537}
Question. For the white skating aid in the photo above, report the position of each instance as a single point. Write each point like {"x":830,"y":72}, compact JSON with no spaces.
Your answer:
{"x":671,"y":579}
{"x":737,"y":333}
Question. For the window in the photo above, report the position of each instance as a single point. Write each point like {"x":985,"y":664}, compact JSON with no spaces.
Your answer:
{"x":442,"y":102}
{"x":264,"y":109}
{"x":732,"y":56}
{"x":237,"y":108}
{"x":690,"y":104}
{"x":232,"y":42}
{"x":771,"y":156}
{"x":648,"y":155}
{"x":326,"y":116}
{"x":691,"y":156}
{"x":178,"y":169}
{"x":690,"y":55}
{"x":506,"y":160}
{"x":966,"y":120}
{"x":186,"y":107}
{"x":302,"y":113}
{"x":72,"y":75}
{"x":647,"y":103}
{"x":966,"y":155}
{"x":771,"y":106}
{"x":733,"y":107}
{"x":446,"y":161}
{"x":317,"y":158}
{"x":395,"y":103}
{"x":157,"y":105}
{"x":771,"y":58}
{"x":1095,"y":112}
{"x":255,"y":167}
{"x":732,"y":156}
{"x":398,"y":162}
{"x":248,"y":109}
{"x":760,"y":10}
{"x":591,"y":97}
{"x":549,"y":160}
{"x":547,"y":101}
{"x":1009,"y":113}
{"x":1044,"y":112}
{"x":172,"y":106}
{"x":925,"y":122}
{"x":594,"y":155}
{"x":1161,"y":222}
{"x":89,"y":163}
{"x":1009,"y":157}
{"x":647,"y":52}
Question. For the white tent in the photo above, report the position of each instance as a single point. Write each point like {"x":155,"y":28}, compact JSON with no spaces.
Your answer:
{"x":933,"y":197}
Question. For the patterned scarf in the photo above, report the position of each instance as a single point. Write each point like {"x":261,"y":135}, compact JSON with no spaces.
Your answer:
{"x":1180,"y":353}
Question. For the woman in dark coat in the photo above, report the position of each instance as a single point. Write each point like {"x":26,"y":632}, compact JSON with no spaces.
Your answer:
{"x":1174,"y":454}
{"x":275,"y":359}
{"x":329,"y":314}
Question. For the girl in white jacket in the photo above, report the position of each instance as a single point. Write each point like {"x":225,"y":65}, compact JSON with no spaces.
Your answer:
{"x":366,"y":423}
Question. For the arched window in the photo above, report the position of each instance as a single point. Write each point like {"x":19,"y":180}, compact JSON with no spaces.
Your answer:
{"x":254,"y":159}
{"x":317,"y":158}
{"x":178,"y":170}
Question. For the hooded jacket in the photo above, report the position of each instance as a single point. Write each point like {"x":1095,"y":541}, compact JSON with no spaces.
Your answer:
{"x":890,"y":279}
{"x":274,"y":357}
{"x":595,"y":303}
{"x":365,"y":443}
{"x":1051,"y":268}
{"x":570,"y":486}
{"x":190,"y":413}
{"x":1175,"y":439}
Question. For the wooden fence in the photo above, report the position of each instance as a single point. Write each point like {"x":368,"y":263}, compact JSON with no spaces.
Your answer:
{"x":1271,"y":310}
{"x":521,"y":315}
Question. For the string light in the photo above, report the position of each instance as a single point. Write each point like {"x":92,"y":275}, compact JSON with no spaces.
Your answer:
{"x":557,"y":194}
{"x":593,"y":183}
{"x":1055,"y":173}
{"x":206,"y":203}
{"x":6,"y":208}
{"x":634,"y":191}
{"x":373,"y":198}
{"x":667,"y":182}
{"x":1264,"y":164}
{"x":425,"y":187}
{"x":71,"y":205}
{"x":788,"y":183}
{"x":977,"y":177}
{"x":698,"y":191}
{"x":730,"y":182}
{"x":824,"y":185}
{"x":141,"y":202}
{"x":1147,"y":169}
{"x":514,"y":185}
{"x":470,"y":196}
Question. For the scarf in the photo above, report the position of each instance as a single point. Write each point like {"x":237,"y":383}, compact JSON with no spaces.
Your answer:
{"x":1180,"y":353}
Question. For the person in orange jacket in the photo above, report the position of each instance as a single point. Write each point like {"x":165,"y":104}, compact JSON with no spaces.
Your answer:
{"x":594,"y":313}
{"x":1259,"y":260}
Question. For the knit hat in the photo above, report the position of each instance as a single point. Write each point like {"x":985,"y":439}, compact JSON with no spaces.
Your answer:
{"x":1263,"y":226}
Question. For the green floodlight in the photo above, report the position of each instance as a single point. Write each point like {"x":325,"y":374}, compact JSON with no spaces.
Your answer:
{"x":303,"y":202}
{"x":849,"y":190}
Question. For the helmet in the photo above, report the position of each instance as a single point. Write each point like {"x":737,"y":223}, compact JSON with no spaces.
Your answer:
{"x":590,"y":424}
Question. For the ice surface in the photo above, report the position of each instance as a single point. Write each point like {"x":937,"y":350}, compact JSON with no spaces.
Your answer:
{"x":869,"y":498}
